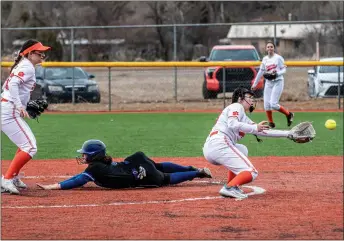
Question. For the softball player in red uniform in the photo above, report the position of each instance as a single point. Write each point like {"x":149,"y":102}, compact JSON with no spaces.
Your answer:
{"x":14,"y":98}
{"x":273,"y":63}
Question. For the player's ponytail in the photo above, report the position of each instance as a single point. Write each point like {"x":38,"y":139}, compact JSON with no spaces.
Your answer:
{"x":107,"y":160}
{"x":26,"y":45}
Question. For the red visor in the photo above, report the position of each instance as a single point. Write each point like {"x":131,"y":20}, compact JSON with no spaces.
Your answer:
{"x":36,"y":47}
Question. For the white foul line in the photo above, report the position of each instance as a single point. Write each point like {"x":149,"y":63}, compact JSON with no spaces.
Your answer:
{"x":110,"y":204}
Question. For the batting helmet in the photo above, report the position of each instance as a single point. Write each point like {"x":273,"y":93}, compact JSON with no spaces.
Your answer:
{"x":240,"y":92}
{"x":94,"y":150}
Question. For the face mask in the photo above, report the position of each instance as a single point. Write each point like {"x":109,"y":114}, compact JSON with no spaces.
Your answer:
{"x":251,"y":109}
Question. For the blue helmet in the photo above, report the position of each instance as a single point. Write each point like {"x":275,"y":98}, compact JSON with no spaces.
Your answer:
{"x":94,"y":149}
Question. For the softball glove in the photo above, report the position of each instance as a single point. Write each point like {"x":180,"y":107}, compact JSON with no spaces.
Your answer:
{"x":302,"y":133}
{"x":36,"y":107}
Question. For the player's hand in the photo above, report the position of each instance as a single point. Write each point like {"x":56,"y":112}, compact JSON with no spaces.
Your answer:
{"x":23,"y":113}
{"x":253,"y":88}
{"x":263,"y":125}
{"x":49,"y":187}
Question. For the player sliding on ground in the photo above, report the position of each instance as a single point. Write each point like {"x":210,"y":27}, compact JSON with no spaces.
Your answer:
{"x":137,"y":170}
{"x":221,"y":147}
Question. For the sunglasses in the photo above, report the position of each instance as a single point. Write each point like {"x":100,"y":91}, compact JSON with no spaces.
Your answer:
{"x":41,"y":55}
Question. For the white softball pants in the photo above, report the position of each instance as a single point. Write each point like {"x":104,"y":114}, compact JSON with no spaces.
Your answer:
{"x":17,"y":130}
{"x":272,"y":94}
{"x":218,"y":150}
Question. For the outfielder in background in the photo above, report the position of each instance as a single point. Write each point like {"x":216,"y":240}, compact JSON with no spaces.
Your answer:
{"x":137,"y":170}
{"x":273,"y":68}
{"x":221,"y":147}
{"x":14,"y":99}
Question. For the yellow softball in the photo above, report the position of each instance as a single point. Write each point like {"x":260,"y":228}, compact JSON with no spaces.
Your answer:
{"x":330,"y":124}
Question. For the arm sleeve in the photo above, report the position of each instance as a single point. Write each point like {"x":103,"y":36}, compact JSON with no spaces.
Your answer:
{"x":253,"y":129}
{"x":234,"y":123}
{"x":281,"y":66}
{"x":13,"y":88}
{"x":76,"y":181}
{"x":273,"y":133}
{"x":259,"y":75}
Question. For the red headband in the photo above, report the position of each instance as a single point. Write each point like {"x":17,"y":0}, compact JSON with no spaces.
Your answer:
{"x":38,"y":47}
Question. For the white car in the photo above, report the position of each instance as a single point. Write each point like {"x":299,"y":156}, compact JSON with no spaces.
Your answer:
{"x":323,"y":80}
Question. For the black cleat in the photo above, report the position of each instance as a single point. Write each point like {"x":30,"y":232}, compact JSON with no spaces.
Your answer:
{"x":272,"y":125}
{"x":290,"y":118}
{"x":204,"y":173}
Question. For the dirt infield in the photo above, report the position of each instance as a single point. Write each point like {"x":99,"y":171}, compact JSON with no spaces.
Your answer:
{"x":303,"y":200}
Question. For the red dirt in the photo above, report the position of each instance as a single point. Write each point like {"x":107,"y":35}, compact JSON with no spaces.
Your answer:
{"x":304,"y":200}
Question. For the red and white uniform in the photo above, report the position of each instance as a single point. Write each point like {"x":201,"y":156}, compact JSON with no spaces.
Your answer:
{"x":16,"y":94}
{"x":221,"y":147}
{"x":273,"y":88}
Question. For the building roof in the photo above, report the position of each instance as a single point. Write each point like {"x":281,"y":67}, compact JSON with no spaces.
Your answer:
{"x":283,"y":31}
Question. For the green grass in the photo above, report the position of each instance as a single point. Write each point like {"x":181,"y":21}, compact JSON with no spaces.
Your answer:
{"x":167,"y":134}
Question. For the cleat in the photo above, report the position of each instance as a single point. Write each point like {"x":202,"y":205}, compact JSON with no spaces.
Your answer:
{"x":4,"y":190}
{"x":7,"y":184}
{"x":205,"y":173}
{"x":19,"y":183}
{"x":234,"y":192}
{"x":272,"y":125}
{"x":290,"y":118}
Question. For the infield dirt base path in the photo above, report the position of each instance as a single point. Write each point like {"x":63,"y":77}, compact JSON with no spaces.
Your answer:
{"x":303,"y":200}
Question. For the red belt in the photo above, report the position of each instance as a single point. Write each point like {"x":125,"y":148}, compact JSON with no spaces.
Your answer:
{"x":213,"y":133}
{"x":4,"y":100}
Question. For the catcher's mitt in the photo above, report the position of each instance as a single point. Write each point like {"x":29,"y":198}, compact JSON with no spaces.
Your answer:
{"x":35,"y":107}
{"x":270,"y":76}
{"x":302,"y":133}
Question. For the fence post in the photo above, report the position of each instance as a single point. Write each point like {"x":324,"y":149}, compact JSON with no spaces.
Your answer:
{"x":338,"y":87}
{"x":72,"y":59}
{"x":275,"y":35}
{"x":175,"y":59}
{"x":109,"y":88}
{"x":73,"y":83}
{"x":224,"y":86}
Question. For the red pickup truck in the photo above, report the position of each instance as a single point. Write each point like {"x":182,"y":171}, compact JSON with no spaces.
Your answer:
{"x":234,"y":76}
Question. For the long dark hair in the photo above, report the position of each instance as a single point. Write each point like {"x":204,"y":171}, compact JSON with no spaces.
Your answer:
{"x":104,"y":159}
{"x":26,"y":45}
{"x":270,"y":42}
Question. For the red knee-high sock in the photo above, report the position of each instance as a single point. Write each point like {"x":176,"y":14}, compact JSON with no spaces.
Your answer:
{"x":269,"y":115}
{"x":231,"y":175}
{"x":19,"y":160}
{"x":18,"y":150}
{"x":284,"y":110}
{"x":242,"y":178}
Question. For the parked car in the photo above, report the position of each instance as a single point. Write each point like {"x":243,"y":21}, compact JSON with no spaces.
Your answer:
{"x":323,"y":80}
{"x":234,"y":76}
{"x":55,"y":85}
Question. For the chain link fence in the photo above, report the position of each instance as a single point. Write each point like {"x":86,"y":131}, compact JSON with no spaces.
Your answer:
{"x":127,"y":88}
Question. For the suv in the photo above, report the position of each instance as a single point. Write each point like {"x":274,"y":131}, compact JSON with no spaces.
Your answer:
{"x":235,"y":76}
{"x":323,"y":80}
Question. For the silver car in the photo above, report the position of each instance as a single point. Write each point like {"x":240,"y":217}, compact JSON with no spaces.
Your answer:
{"x":323,"y":80}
